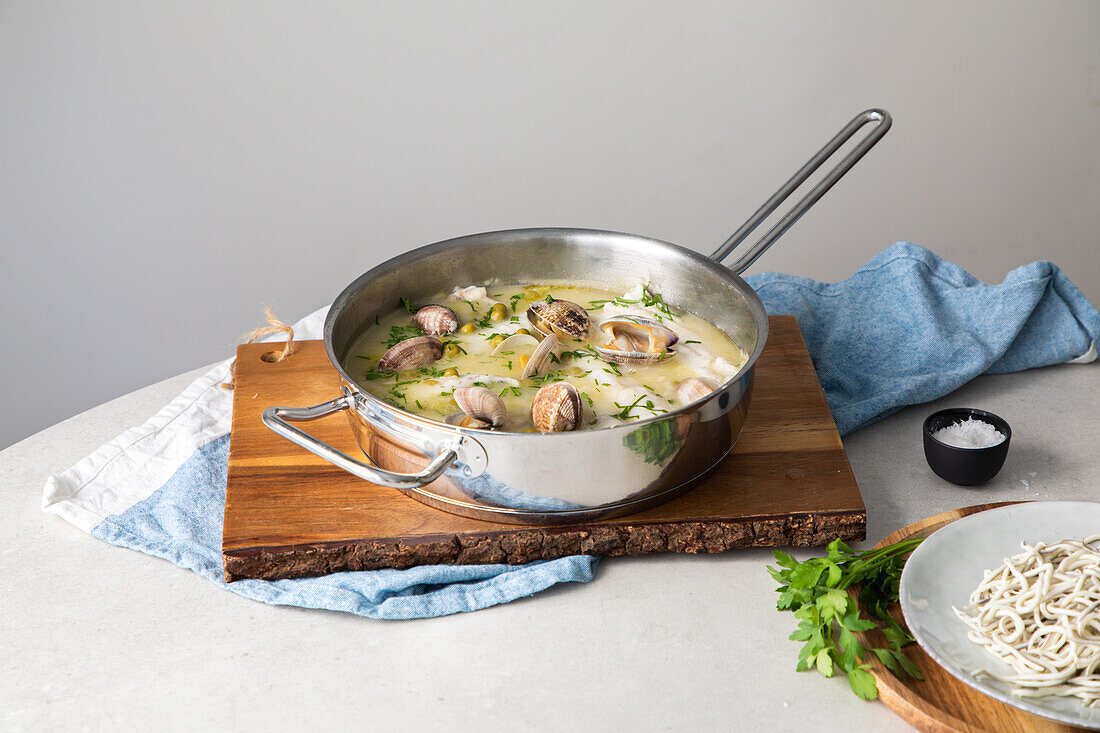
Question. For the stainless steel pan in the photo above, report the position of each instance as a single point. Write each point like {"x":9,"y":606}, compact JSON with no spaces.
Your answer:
{"x":571,"y":476}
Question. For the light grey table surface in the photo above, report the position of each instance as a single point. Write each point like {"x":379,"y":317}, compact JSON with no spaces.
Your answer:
{"x":99,"y":637}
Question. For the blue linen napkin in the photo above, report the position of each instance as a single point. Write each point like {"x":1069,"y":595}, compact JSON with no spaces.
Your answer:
{"x":905,"y":328}
{"x":182,"y":522}
{"x":909,"y":327}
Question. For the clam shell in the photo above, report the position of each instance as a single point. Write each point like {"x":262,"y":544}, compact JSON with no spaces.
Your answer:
{"x":695,"y":388}
{"x":635,"y":340}
{"x":436,"y":320}
{"x":462,"y":420}
{"x":411,"y":354}
{"x":560,"y":317}
{"x":541,"y":356}
{"x":481,"y":404}
{"x":519,"y":343}
{"x":556,"y":408}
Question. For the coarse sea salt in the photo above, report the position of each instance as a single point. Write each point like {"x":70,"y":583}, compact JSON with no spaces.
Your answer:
{"x":969,"y":433}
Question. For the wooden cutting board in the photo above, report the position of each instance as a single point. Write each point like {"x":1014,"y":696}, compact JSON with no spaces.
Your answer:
{"x":290,"y":514}
{"x":941,"y":703}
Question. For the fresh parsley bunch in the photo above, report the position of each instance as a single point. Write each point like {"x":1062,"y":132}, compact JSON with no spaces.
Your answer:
{"x":828,"y":617}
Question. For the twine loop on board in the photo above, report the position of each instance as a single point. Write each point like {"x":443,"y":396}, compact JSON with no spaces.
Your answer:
{"x":274,"y":326}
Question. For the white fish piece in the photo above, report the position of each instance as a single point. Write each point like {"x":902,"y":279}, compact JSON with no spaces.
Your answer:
{"x":470,"y":292}
{"x":640,"y":397}
{"x":698,"y":360}
{"x":723,"y":369}
{"x":476,"y":294}
{"x":467,"y":380}
{"x":610,"y":310}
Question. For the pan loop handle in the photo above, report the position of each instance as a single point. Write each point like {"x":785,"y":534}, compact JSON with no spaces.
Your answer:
{"x":279,"y":419}
{"x":878,"y":116}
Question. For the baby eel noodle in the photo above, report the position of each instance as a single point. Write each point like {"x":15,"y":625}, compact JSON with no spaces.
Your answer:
{"x":1040,"y":613}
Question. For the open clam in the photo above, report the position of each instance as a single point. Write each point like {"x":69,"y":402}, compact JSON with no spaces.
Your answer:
{"x":556,"y":408}
{"x":517,"y":343}
{"x":528,"y":353}
{"x":411,"y":354}
{"x":436,"y":320}
{"x":481,"y":405}
{"x":635,"y":340}
{"x":462,"y":420}
{"x":540,"y":358}
{"x":562,"y":318}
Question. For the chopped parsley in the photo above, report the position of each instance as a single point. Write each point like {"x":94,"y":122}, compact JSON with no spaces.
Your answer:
{"x":625,"y":410}
{"x":515,"y":299}
{"x":654,"y":300}
{"x":550,"y":376}
{"x":400,"y":333}
{"x":649,"y":299}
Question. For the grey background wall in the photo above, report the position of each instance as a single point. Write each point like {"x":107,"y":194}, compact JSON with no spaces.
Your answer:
{"x":168,"y":168}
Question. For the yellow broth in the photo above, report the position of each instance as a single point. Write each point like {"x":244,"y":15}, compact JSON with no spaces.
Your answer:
{"x":612,"y":394}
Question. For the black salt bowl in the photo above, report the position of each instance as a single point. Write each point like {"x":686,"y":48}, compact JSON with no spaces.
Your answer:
{"x":964,"y":466}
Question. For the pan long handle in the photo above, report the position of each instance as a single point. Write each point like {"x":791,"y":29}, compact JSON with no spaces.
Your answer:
{"x":878,"y":116}
{"x":279,"y":419}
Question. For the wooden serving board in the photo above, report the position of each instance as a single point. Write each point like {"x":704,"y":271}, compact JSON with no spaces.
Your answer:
{"x":941,"y":703}
{"x":290,"y":514}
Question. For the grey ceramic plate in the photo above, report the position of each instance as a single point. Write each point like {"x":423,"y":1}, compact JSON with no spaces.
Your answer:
{"x":945,"y":569}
